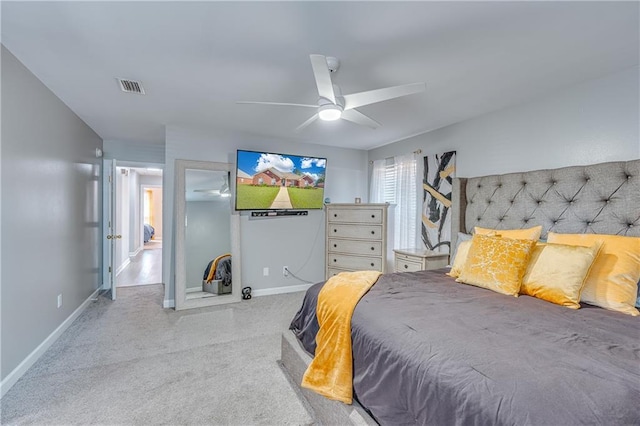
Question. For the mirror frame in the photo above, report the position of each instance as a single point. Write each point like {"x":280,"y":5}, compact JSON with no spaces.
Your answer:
{"x":180,"y":287}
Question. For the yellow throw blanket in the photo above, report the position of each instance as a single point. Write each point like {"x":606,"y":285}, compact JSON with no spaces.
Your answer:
{"x":331,"y":371}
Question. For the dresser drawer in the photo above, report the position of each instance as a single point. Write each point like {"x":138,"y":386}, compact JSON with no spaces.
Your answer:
{"x":354,"y":262}
{"x":355,"y":216}
{"x":363,"y":232}
{"x":372,"y":248}
{"x":405,"y":266}
{"x":333,"y":272}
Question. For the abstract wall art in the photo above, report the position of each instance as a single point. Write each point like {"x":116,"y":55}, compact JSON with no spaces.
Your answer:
{"x":439,"y":170}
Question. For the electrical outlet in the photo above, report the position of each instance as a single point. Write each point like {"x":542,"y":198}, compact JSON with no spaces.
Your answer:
{"x":265,"y":271}
{"x":60,"y":300}
{"x":285,"y":271}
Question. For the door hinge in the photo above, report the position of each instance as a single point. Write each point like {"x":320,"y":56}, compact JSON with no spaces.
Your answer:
{"x":109,"y":178}
{"x":109,"y":224}
{"x":109,"y":269}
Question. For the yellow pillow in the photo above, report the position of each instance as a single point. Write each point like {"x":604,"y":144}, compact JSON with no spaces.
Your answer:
{"x":557,"y":272}
{"x":496,"y":263}
{"x":518,"y":234}
{"x":612,"y":282}
{"x":460,"y":259}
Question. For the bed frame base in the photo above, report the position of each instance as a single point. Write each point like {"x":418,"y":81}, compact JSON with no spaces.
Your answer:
{"x":295,"y":361}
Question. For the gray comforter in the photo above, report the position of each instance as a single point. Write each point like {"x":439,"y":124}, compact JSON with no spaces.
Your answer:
{"x":427,"y":350}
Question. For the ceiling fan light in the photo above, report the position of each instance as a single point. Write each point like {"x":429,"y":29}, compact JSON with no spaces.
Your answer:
{"x":329,"y":112}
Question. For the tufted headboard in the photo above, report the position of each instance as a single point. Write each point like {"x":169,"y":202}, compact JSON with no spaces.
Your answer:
{"x":599,"y":199}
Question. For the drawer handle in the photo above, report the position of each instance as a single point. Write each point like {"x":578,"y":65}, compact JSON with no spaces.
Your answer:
{"x":372,"y":264}
{"x":373,"y":232}
{"x":334,"y":260}
{"x":335,"y":215}
{"x":335,"y":245}
{"x":372,"y":248}
{"x":373,"y":216}
{"x":335,"y":230}
{"x":406,"y":266}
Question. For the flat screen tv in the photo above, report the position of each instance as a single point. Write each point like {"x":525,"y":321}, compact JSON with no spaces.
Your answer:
{"x":270,"y":181}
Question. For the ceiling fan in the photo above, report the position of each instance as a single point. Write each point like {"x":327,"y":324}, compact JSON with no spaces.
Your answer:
{"x":224,"y":190}
{"x":332,"y":105}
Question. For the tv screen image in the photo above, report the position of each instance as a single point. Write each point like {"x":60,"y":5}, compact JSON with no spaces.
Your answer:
{"x":270,"y":181}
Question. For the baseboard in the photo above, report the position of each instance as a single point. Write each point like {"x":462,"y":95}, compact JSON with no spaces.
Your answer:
{"x":168,"y":303}
{"x":31,"y":359}
{"x":137,"y":252}
{"x":124,"y":265}
{"x":280,"y":290}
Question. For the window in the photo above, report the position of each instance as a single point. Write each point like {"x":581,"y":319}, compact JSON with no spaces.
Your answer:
{"x":148,"y":206}
{"x":394,"y":180}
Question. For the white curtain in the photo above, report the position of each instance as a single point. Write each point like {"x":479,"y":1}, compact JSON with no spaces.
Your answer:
{"x":376,"y":193}
{"x":395,"y":180}
{"x":406,"y":211}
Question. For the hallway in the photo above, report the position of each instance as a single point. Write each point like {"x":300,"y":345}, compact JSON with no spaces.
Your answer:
{"x":145,"y":268}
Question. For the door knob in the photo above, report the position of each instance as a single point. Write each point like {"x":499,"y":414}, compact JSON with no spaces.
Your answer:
{"x":109,"y":237}
{"x":118,"y":236}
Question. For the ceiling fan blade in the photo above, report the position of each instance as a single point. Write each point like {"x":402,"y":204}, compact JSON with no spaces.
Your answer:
{"x":277,"y":104}
{"x":357,"y":117}
{"x":313,"y":118}
{"x":356,"y":100}
{"x":323,"y":77}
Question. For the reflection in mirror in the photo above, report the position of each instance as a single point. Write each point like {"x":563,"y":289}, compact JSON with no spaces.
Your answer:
{"x":207,"y":230}
{"x":207,"y":234}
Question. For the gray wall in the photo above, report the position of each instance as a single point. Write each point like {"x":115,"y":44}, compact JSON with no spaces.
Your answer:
{"x":208,"y":235}
{"x":51,"y":204}
{"x":591,"y":122}
{"x":297,"y":242}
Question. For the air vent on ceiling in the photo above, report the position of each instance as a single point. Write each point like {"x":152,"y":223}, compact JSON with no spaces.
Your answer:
{"x":131,"y":86}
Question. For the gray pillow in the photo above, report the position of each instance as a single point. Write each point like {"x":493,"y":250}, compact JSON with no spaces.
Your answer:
{"x":461,"y":237}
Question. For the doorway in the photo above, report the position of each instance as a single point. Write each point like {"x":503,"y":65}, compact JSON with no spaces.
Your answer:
{"x":138,"y":259}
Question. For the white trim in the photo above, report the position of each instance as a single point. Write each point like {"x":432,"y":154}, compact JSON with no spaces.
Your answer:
{"x":137,"y":252}
{"x":168,"y":303}
{"x":26,"y":363}
{"x":124,"y":265}
{"x":280,"y":290}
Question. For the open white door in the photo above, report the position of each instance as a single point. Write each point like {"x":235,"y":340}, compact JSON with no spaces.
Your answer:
{"x":109,"y":225}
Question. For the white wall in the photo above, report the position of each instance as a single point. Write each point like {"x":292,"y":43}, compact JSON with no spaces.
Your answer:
{"x":123,"y":215}
{"x":592,"y":122}
{"x":51,"y":204}
{"x":134,"y":151}
{"x":294,"y":241}
{"x":135,"y":226}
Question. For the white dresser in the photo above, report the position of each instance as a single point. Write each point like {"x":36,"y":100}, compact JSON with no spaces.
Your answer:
{"x":357,"y":238}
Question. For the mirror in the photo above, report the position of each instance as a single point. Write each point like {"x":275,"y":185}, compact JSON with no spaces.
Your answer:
{"x":207,"y":236}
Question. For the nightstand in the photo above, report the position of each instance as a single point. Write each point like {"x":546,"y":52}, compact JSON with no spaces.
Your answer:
{"x":411,"y":260}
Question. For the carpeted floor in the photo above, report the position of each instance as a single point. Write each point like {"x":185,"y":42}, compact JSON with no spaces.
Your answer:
{"x":132,"y":362}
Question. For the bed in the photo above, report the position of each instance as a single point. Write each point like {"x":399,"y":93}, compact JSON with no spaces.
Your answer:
{"x":149,"y":232}
{"x":427,"y":350}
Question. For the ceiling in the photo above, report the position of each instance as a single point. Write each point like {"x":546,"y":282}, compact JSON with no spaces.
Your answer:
{"x":196,"y":59}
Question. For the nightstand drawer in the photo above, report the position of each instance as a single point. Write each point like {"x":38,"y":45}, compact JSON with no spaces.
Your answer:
{"x":354,"y":262}
{"x":373,"y":248}
{"x":363,"y":232}
{"x":405,"y":266}
{"x":355,"y":216}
